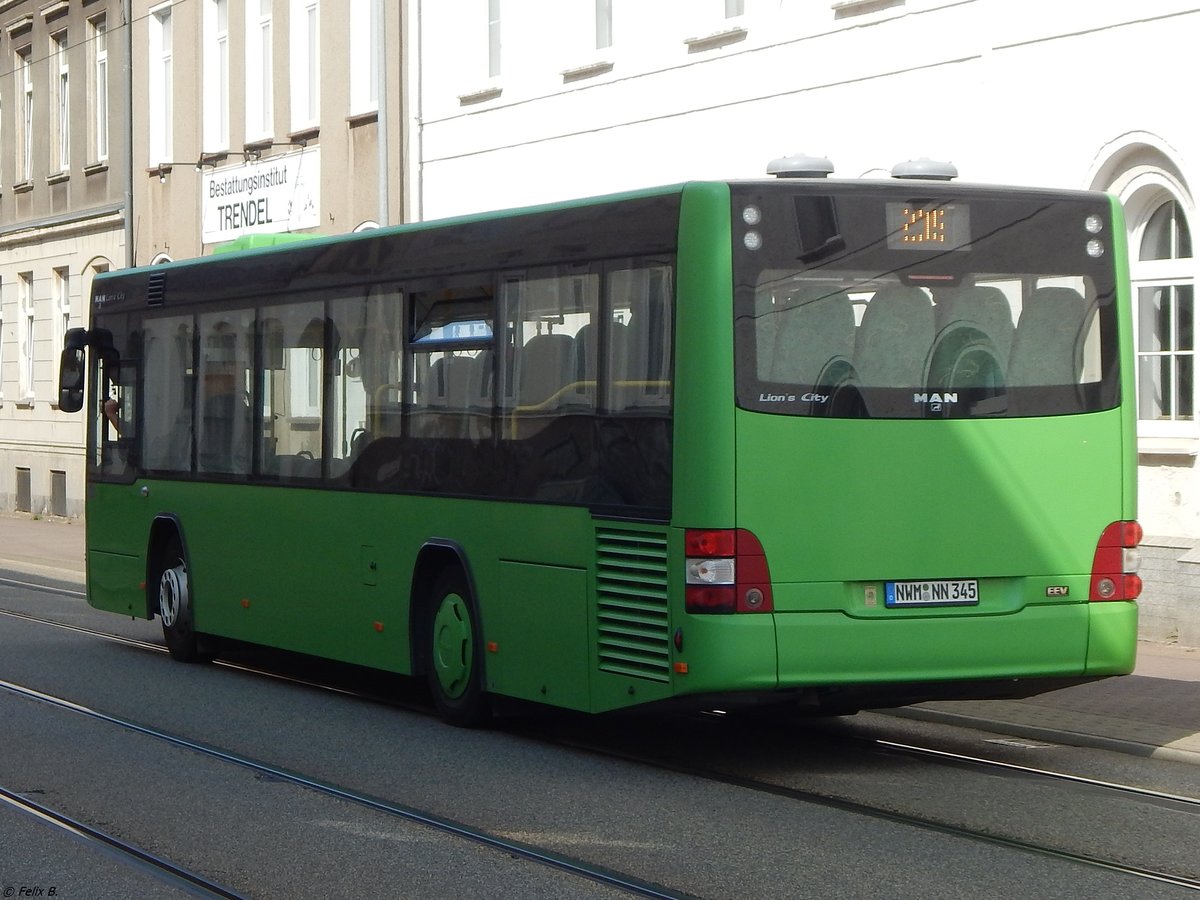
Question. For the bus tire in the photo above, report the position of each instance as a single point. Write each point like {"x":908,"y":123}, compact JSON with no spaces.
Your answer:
{"x":453,"y":661}
{"x":174,"y":605}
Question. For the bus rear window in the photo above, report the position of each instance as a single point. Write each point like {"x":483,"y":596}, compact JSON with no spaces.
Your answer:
{"x":871,"y":306}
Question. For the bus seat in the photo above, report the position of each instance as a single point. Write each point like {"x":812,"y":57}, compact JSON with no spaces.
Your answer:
{"x":895,"y":338}
{"x":983,"y":307}
{"x":450,"y":382}
{"x":1049,"y":343}
{"x":545,"y":369}
{"x":814,"y":327}
{"x":584,"y":363}
{"x":447,"y":399}
{"x":479,"y":391}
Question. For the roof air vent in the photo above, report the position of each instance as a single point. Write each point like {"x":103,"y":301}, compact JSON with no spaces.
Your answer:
{"x":925,"y":168}
{"x":798,"y":165}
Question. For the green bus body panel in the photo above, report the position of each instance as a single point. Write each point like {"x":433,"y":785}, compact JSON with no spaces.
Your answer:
{"x":1112,"y":638}
{"x":855,"y":500}
{"x":539,"y":615}
{"x":703,"y":495}
{"x":830,"y":648}
{"x":1128,"y":388}
{"x":260,"y":241}
{"x":1014,"y":504}
{"x":329,"y":573}
{"x":114,"y":582}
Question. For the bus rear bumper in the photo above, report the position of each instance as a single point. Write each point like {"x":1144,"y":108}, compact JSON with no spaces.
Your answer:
{"x":1039,"y":642}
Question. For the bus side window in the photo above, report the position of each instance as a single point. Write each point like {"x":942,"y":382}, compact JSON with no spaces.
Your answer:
{"x":449,"y":362}
{"x":640,"y":336}
{"x":169,"y":394}
{"x":223,"y":427}
{"x":292,"y":379}
{"x":550,"y":316}
{"x":116,"y":415}
{"x":366,"y":372}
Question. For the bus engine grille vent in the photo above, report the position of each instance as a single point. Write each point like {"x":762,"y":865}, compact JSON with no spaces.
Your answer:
{"x":633,"y":627}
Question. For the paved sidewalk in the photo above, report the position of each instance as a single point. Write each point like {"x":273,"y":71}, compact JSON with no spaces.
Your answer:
{"x":53,"y":548}
{"x":1154,"y":712}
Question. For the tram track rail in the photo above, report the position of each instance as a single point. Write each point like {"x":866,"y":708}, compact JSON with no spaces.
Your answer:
{"x":1191,"y":804}
{"x":1177,"y":801}
{"x":116,"y":848}
{"x":821,"y":798}
{"x":528,"y":852}
{"x":910,"y":819}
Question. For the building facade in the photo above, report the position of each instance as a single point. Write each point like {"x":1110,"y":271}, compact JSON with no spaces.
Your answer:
{"x":63,"y":164}
{"x":205,"y":120}
{"x":627,"y":94}
{"x":263,"y":116}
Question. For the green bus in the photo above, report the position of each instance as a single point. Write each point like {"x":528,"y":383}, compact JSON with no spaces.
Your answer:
{"x":823,"y":443}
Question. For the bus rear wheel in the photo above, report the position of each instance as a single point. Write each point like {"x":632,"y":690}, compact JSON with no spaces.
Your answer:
{"x":454,"y":666}
{"x":175,"y":605}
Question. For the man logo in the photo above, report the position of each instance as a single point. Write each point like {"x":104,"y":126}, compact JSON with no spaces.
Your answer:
{"x":947,"y":397}
{"x":934,"y":401}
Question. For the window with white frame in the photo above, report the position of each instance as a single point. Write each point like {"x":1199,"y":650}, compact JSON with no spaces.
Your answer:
{"x":1164,"y":284}
{"x":161,"y":83}
{"x":98,"y":90}
{"x":364,"y":55}
{"x":734,"y":8}
{"x":260,"y":89}
{"x":25,"y":322}
{"x":305,"y":63}
{"x":493,"y":54}
{"x":216,"y":75}
{"x":60,"y":91}
{"x":604,"y":24}
{"x":62,"y":305}
{"x":25,"y":123}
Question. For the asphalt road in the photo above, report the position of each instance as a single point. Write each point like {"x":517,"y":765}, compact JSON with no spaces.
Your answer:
{"x":695,"y":835}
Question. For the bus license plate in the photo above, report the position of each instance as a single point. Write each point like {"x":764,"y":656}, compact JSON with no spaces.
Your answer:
{"x":932,"y":593}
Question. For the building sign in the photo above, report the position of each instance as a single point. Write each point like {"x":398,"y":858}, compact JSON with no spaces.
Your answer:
{"x":266,"y":196}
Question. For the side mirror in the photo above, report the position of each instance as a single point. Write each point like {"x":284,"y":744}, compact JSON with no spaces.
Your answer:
{"x":72,"y":371}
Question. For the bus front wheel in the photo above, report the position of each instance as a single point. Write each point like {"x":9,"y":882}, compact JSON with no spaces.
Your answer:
{"x":454,"y":667}
{"x":175,"y":605}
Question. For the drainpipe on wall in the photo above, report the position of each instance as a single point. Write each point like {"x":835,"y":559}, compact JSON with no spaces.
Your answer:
{"x":127,"y":17}
{"x":382,"y":118}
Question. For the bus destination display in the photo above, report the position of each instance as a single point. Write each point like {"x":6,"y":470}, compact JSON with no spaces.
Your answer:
{"x":928,"y":226}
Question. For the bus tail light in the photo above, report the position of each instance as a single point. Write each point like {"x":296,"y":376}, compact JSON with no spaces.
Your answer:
{"x":726,"y":572}
{"x":1114,"y":568}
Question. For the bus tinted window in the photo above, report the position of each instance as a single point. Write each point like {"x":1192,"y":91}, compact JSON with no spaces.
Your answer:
{"x":223,"y":416}
{"x":452,"y":346}
{"x":293,"y":339}
{"x":526,"y":379}
{"x":170,"y":393}
{"x":856,"y":305}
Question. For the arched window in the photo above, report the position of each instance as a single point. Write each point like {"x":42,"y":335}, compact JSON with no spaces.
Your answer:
{"x":1163,"y":278}
{"x":1140,"y":168}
